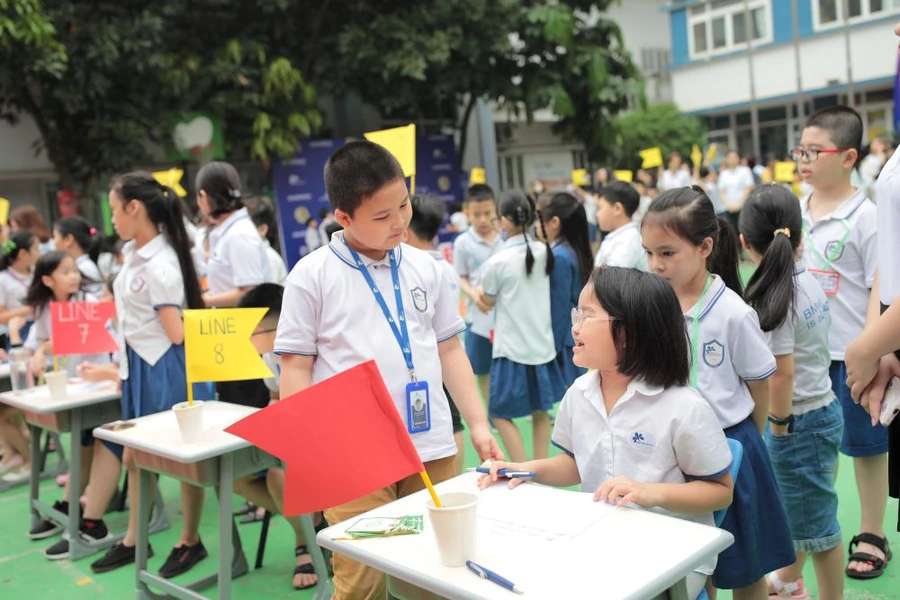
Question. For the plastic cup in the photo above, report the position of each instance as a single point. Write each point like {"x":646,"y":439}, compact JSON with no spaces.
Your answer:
{"x":454,"y":527}
{"x":20,"y":375}
{"x":190,"y":420}
{"x":56,"y":383}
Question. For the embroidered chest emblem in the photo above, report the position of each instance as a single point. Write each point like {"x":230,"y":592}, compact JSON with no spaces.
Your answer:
{"x":713,"y":353}
{"x":419,"y":298}
{"x":137,"y":284}
{"x":643,"y":441}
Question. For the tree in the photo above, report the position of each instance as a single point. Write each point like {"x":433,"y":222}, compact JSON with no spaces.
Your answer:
{"x":660,"y":125}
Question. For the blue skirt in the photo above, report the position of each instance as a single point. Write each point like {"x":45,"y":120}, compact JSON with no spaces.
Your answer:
{"x":756,"y":517}
{"x":150,"y":390}
{"x":519,"y":390}
{"x":567,"y":368}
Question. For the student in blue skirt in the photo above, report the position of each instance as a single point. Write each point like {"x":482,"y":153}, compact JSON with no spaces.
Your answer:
{"x":156,"y":283}
{"x":565,"y":226}
{"x":525,"y":379}
{"x":697,"y":253}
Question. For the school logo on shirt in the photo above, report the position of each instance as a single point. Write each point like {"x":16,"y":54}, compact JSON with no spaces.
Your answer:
{"x":419,"y":298}
{"x":713,"y":353}
{"x":834,"y":250}
{"x":137,"y":284}
{"x":643,"y":441}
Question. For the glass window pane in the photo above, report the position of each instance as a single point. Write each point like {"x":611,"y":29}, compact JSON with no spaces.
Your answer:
{"x":854,"y":8}
{"x":758,"y":22}
{"x":876,"y":6}
{"x":722,"y":3}
{"x":827,"y":11}
{"x":720,"y":40}
{"x":700,"y":44}
{"x":738,"y":28}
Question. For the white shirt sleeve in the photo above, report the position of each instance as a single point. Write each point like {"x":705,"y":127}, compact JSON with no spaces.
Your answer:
{"x":461,"y":258}
{"x":246,"y":256}
{"x":868,"y":244}
{"x":165,"y":286}
{"x":750,"y":354}
{"x":298,"y":324}
{"x":781,"y":339}
{"x":701,"y":448}
{"x":562,"y":429}
{"x":491,"y":276}
{"x":447,"y":322}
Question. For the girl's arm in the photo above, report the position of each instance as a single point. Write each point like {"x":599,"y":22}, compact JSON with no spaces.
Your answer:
{"x":759,"y":390}
{"x":296,"y":374}
{"x":560,"y":471}
{"x":172,"y":323}
{"x":22,"y":311}
{"x":692,"y":497}
{"x":781,"y":389}
{"x":226,"y":299}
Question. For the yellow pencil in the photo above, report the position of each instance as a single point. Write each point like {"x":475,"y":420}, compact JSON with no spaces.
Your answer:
{"x":434,"y":496}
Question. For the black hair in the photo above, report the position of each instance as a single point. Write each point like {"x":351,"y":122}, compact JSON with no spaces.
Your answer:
{"x":266,"y":295}
{"x":222,"y":185}
{"x":479,"y":193}
{"x":518,"y":207}
{"x":85,"y":235}
{"x":18,"y":242}
{"x":772,"y":224}
{"x":428,"y":214}
{"x":648,"y":326}
{"x":39,"y":295}
{"x":619,"y":192}
{"x":263,"y":213}
{"x":689,"y":213}
{"x":164,"y":209}
{"x":332,"y":228}
{"x":704,"y":172}
{"x":573,"y":227}
{"x":356,"y":172}
{"x":310,"y":220}
{"x":843,"y":124}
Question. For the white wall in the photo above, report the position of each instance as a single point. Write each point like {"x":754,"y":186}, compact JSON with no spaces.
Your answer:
{"x":16,"y":153}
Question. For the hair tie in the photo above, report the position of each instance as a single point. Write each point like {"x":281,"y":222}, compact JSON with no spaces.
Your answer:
{"x":93,"y":231}
{"x":234,"y":194}
{"x":786,"y":231}
{"x":8,"y":247}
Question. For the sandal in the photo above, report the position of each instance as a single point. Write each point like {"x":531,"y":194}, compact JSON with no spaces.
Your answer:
{"x":307,"y":569}
{"x":878,"y":564}
{"x":248,"y":507}
{"x":253,"y":516}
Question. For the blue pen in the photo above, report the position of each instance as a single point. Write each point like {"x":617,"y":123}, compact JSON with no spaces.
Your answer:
{"x":491,"y":576}
{"x":509,"y":473}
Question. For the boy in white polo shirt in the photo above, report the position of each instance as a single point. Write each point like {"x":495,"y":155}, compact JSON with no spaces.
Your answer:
{"x":621,"y":245}
{"x":841,"y":252}
{"x":370,"y":297}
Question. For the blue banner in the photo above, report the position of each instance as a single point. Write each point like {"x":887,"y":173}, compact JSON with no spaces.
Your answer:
{"x":437,"y":174}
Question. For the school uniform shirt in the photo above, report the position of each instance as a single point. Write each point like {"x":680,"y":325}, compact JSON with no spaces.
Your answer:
{"x":13,"y":289}
{"x":470,"y":253}
{"x":273,"y":361}
{"x":149,"y":280}
{"x":652,"y":435}
{"x":92,"y":280}
{"x":313,"y":239}
{"x":237,"y":255}
{"x":198,"y":252}
{"x":449,"y":270}
{"x":804,"y":334}
{"x":734,"y":183}
{"x":277,"y":268}
{"x":671,"y":180}
{"x":887,"y":190}
{"x":731,"y":349}
{"x":623,"y":248}
{"x":331,"y":313}
{"x":565,"y":288}
{"x":41,"y":331}
{"x":524,"y":331}
{"x":844,"y":262}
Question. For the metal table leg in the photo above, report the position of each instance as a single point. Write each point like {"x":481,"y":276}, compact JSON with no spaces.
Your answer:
{"x":324,"y":588}
{"x":35,"y":473}
{"x":679,"y":591}
{"x":76,"y":550}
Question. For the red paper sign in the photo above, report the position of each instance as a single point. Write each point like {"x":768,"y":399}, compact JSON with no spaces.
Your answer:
{"x":80,"y":327}
{"x":341,"y":439}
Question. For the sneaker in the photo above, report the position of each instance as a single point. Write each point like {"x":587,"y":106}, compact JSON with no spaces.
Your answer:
{"x":18,"y":475}
{"x":11,"y":463}
{"x":91,"y":532}
{"x":119,"y":555}
{"x":46,"y":528}
{"x":182,"y":559}
{"x":782,"y":590}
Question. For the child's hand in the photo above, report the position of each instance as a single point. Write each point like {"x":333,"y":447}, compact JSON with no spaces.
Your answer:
{"x":622,"y":490}
{"x":485,"y":444}
{"x":489,"y":479}
{"x":479,"y":301}
{"x":91,"y":372}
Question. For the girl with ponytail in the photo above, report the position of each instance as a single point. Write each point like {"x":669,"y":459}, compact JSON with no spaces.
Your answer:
{"x":525,"y":378}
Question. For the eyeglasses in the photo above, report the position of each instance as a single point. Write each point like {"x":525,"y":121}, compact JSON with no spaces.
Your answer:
{"x":812,"y":154}
{"x":578,"y":318}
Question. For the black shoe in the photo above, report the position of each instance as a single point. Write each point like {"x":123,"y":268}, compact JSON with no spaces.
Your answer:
{"x":119,"y":555}
{"x":182,"y":559}
{"x":47,"y":528}
{"x":92,"y":532}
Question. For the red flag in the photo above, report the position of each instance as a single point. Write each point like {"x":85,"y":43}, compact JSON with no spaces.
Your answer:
{"x":80,"y":327}
{"x":341,"y":439}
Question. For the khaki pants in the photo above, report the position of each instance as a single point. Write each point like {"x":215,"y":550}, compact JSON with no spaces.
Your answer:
{"x":356,"y":581}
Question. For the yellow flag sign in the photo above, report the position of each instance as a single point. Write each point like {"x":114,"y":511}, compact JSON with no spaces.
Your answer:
{"x":217,"y":345}
{"x":580,"y":177}
{"x":784,"y":171}
{"x":652,"y":157}
{"x":4,"y":211}
{"x":626,"y":176}
{"x":171,"y":178}
{"x":401,"y":142}
{"x":696,"y":156}
{"x":477,"y":175}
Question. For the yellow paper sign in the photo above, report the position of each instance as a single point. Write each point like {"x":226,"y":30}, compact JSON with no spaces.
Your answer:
{"x":784,"y":171}
{"x":4,"y":211}
{"x":217,"y":345}
{"x":477,"y":175}
{"x":580,"y":177}
{"x":171,"y":178}
{"x":696,"y":156}
{"x":626,"y":176}
{"x":711,"y":153}
{"x":652,"y":157}
{"x":401,"y":142}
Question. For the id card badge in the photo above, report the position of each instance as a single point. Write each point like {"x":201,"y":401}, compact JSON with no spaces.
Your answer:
{"x":830,"y":281}
{"x":418,"y":407}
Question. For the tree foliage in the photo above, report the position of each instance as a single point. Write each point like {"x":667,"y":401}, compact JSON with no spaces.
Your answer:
{"x":660,"y":125}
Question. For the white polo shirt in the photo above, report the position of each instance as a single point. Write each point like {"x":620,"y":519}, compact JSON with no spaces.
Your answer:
{"x":92,"y":280}
{"x":13,"y":289}
{"x":449,"y":271}
{"x":273,"y":361}
{"x":330,"y":313}
{"x":804,"y":334}
{"x":277,"y":268}
{"x":848,"y":239}
{"x":470,"y":253}
{"x":623,"y":248}
{"x":41,"y":332}
{"x":887,"y":191}
{"x":672,"y":180}
{"x":651,"y":435}
{"x":150,"y":278}
{"x":733,"y":184}
{"x":237,"y":255}
{"x":731,"y":349}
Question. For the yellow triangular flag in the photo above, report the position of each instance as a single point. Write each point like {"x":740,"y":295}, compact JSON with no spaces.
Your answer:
{"x":696,"y":156}
{"x":652,"y":157}
{"x":4,"y":211}
{"x":477,"y":175}
{"x":172,"y":178}
{"x":401,"y":142}
{"x":711,"y":154}
{"x":626,"y":176}
{"x":580,"y":177}
{"x":784,"y":171}
{"x":217,"y":345}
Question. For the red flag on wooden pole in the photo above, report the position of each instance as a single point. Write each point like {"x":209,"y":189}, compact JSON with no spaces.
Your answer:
{"x":80,"y":327}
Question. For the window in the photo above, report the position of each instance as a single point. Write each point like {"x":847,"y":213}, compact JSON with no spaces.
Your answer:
{"x":832,"y":13}
{"x":720,"y":26}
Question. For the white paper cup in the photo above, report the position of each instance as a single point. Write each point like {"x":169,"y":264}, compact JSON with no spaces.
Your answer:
{"x":56,"y":383}
{"x":190,"y":420}
{"x":454,"y":527}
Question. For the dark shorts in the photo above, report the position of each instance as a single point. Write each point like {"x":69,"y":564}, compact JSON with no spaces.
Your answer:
{"x":860,"y":439}
{"x":454,"y":413}
{"x":480,"y":352}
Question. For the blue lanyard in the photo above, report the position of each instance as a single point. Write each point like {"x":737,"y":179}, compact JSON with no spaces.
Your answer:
{"x":401,"y":334}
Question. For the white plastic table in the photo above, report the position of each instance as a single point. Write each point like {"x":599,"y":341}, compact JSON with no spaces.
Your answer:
{"x":623,"y":553}
{"x":215,"y":461}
